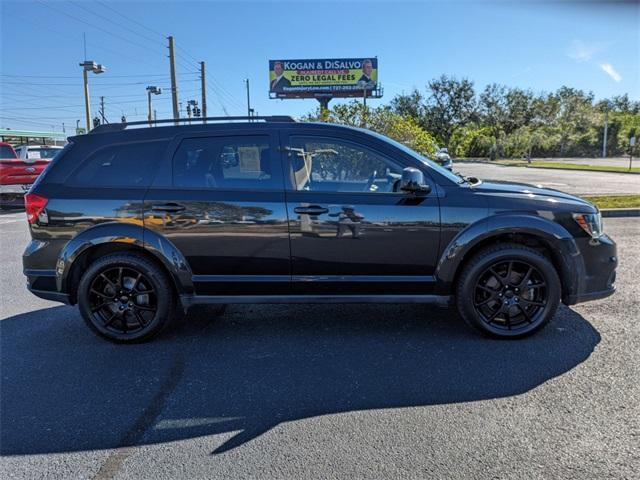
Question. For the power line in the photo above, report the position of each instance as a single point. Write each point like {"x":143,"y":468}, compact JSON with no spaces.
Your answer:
{"x":219,"y":90}
{"x":46,"y":26}
{"x":110,"y":76}
{"x":97,"y":27}
{"x":111,"y":21}
{"x":131,"y":19}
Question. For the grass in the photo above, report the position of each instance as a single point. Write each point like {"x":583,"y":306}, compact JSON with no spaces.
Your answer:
{"x":615,"y":201}
{"x":566,"y":166}
{"x":576,"y":166}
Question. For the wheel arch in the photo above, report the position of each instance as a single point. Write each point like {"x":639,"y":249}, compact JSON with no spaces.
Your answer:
{"x":114,"y":237}
{"x":542,"y":234}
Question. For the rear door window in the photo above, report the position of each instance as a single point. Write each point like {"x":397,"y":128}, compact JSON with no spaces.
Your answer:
{"x":227,"y":163}
{"x":125,"y":165}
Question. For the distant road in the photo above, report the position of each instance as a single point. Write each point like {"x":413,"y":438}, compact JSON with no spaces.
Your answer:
{"x":571,"y":181}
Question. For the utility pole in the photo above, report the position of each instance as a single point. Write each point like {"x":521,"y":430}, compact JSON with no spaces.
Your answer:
{"x":174,"y":81}
{"x":151,"y":90}
{"x":203,"y":87}
{"x":89,"y":66}
{"x":87,"y":107}
{"x":149,"y":106}
{"x":248,"y":100}
{"x":104,"y":120}
{"x":606,"y":128}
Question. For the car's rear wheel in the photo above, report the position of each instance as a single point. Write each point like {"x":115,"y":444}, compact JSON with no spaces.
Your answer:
{"x":508,"y":291}
{"x":126,"y":298}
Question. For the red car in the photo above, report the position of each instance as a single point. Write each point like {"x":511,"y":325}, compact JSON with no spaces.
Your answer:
{"x":17,"y":175}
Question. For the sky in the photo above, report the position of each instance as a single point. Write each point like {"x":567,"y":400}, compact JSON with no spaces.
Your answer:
{"x":540,"y":45}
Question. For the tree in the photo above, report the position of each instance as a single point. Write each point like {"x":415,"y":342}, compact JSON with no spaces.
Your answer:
{"x":411,"y":105}
{"x":493,"y":111}
{"x":451,"y":104}
{"x":520,"y":109}
{"x":382,"y":120}
{"x":500,"y":121}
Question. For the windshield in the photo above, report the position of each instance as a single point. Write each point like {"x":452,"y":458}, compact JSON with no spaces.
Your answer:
{"x":430,"y":163}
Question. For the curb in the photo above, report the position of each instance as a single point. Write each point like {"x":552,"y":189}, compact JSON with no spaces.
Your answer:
{"x":620,"y":212}
{"x":524,"y":165}
{"x":574,"y":169}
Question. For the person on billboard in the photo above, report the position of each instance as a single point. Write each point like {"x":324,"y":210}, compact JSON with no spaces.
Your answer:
{"x":278,"y":83}
{"x":365,"y":80}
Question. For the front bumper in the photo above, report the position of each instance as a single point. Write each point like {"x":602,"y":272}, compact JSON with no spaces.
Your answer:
{"x":596,"y":272}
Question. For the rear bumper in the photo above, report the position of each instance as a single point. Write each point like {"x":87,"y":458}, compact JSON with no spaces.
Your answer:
{"x":42,"y":283}
{"x":20,"y":188}
{"x":49,"y":295}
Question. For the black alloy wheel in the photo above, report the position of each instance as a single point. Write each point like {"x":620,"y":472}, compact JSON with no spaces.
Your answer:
{"x":123,"y":300}
{"x":510,"y":295}
{"x":508,"y":291}
{"x":126,"y":297}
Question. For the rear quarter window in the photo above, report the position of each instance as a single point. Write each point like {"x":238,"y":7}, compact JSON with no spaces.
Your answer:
{"x":7,"y":152}
{"x":119,"y":166}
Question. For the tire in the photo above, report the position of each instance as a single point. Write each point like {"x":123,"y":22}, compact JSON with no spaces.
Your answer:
{"x":508,"y":291}
{"x":126,"y":298}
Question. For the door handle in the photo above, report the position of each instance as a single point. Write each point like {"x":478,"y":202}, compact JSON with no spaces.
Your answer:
{"x":168,"y":207}
{"x":311,"y":210}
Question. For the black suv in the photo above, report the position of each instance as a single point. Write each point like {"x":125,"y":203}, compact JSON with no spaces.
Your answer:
{"x":136,"y":225}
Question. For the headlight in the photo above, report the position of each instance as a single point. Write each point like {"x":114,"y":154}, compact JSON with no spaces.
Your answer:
{"x":590,"y":223}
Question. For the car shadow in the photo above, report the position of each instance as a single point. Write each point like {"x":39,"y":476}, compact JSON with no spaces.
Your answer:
{"x":65,"y":390}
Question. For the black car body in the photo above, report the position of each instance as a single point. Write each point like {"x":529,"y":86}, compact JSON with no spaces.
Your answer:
{"x":278,"y":211}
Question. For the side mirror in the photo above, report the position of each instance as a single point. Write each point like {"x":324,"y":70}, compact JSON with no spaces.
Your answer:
{"x":413,"y":181}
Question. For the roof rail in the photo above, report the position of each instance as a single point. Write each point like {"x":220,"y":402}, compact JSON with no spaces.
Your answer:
{"x":114,"y":127}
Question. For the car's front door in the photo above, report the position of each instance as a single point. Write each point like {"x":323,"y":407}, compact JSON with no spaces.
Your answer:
{"x":352,"y":230}
{"x":221,"y":203}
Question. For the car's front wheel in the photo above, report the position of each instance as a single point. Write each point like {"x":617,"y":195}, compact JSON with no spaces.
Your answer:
{"x":508,"y":291}
{"x":125,"y":298}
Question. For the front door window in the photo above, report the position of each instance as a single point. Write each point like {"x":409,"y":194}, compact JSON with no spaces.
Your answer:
{"x":329,"y":165}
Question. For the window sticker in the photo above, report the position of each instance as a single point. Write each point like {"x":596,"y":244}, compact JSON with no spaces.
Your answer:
{"x":249,"y":159}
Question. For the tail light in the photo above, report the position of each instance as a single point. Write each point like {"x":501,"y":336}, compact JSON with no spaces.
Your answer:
{"x":34,"y":204}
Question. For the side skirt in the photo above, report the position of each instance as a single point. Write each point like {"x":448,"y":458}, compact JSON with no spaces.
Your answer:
{"x":440,"y":300}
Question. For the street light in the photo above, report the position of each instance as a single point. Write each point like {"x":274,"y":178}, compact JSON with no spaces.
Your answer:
{"x":156,"y":91}
{"x":89,"y":66}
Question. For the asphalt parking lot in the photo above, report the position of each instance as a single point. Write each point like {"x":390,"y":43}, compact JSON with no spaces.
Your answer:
{"x":386,"y":391}
{"x":570,"y":181}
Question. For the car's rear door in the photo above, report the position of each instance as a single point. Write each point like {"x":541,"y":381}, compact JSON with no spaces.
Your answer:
{"x":220,"y":201}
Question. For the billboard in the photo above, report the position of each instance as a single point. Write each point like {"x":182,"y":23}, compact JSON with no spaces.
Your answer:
{"x":337,"y":77}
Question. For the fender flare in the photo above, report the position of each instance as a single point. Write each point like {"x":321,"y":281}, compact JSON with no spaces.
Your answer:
{"x":562,"y":244}
{"x":129,"y":234}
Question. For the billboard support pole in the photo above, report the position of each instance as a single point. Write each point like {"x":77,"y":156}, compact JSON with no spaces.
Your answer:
{"x":324,"y":108}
